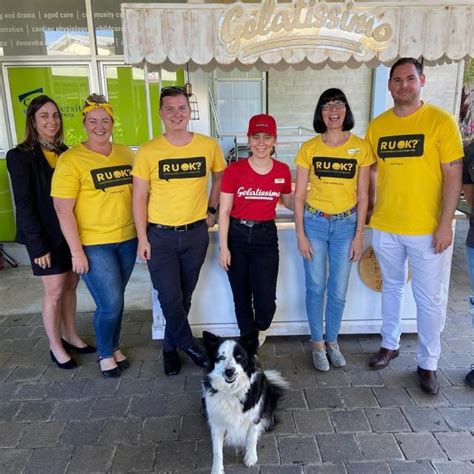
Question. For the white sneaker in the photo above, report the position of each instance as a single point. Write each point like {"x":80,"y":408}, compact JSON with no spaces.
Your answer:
{"x":262,"y":335}
{"x":335,"y":355}
{"x":320,"y":360}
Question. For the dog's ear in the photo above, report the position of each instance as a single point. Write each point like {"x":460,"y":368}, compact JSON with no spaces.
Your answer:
{"x":249,"y":342}
{"x":210,"y":340}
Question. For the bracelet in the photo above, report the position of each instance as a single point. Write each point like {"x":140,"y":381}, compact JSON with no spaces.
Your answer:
{"x":211,"y":210}
{"x":360,"y":231}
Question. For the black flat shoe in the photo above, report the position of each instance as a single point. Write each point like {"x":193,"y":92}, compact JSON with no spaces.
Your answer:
{"x":198,"y":356}
{"x":171,"y":362}
{"x":110,"y":373}
{"x":81,"y":350}
{"x":123,"y":364}
{"x":70,"y":364}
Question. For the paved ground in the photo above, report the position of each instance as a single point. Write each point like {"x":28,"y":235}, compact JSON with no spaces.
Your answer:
{"x":345,"y":421}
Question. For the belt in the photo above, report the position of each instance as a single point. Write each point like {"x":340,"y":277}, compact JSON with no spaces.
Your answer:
{"x":248,"y":222}
{"x":341,"y":215}
{"x":179,"y":228}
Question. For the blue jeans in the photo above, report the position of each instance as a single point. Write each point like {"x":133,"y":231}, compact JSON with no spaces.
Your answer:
{"x":470,"y":265}
{"x":110,"y":267}
{"x":331,"y":241}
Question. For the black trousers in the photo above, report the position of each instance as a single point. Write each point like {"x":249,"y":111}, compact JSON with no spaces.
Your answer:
{"x":174,"y":266}
{"x":253,"y":273}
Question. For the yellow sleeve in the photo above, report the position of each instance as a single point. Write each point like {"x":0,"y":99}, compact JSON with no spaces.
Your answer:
{"x":450,"y":141}
{"x":141,"y":167}
{"x":368,"y":157}
{"x":369,"y":138}
{"x":302,"y":158}
{"x":218,"y":162}
{"x":66,"y":181}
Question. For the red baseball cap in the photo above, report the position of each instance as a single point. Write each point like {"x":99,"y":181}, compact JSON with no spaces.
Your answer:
{"x":262,"y":123}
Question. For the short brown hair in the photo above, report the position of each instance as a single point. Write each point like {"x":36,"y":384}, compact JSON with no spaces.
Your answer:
{"x":400,"y":62}
{"x":173,"y":91}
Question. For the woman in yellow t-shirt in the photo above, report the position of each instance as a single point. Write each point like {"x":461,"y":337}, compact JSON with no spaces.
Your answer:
{"x":92,"y":190}
{"x":31,"y":165}
{"x":330,"y":218}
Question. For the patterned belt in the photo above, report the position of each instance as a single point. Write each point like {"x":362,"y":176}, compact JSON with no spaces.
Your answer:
{"x":248,"y":222}
{"x":341,"y":215}
{"x":179,"y":228}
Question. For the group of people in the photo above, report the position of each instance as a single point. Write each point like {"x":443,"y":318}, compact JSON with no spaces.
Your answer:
{"x":97,"y":207}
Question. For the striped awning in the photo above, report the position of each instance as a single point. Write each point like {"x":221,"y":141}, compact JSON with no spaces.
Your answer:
{"x":302,"y":34}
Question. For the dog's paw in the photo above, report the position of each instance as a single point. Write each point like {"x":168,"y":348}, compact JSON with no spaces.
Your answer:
{"x":250,"y":459}
{"x":217,"y":470}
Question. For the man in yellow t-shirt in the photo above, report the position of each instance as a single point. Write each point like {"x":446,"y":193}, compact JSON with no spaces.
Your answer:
{"x":419,"y":164}
{"x":172,"y":214}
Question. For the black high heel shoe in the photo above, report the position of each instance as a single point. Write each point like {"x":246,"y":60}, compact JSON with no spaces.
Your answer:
{"x":81,"y":350}
{"x":110,"y":373}
{"x":70,"y":364}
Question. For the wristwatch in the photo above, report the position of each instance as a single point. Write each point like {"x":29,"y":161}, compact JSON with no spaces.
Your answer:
{"x":211,"y":210}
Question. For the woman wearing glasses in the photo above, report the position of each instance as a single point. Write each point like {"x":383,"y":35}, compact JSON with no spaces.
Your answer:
{"x":330,"y":218}
{"x":248,"y":236}
{"x":92,"y":190}
{"x":31,"y":165}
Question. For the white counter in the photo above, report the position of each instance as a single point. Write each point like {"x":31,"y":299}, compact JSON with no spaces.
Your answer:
{"x":213,"y":309}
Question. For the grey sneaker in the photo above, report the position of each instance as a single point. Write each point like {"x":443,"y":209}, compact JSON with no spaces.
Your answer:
{"x":335,"y":355}
{"x":320,"y":360}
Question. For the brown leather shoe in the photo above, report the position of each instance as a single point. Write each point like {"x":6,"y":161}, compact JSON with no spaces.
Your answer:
{"x":381,"y":359}
{"x":428,"y":381}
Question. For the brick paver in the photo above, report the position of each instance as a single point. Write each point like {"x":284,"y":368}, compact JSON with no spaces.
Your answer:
{"x":349,"y":420}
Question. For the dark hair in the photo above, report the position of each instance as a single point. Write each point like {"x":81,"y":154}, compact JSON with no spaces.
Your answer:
{"x":400,"y":62}
{"x":328,"y":96}
{"x":173,"y":91}
{"x":31,"y":134}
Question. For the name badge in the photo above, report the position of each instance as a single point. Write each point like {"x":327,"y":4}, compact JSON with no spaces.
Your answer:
{"x":279,"y":180}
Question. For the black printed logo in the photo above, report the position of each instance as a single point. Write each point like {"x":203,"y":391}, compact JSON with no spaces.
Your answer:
{"x":401,"y":146}
{"x":113,"y":176}
{"x":324,"y":167}
{"x":179,"y":168}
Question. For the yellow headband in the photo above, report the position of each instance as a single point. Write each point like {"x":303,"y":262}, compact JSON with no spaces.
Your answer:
{"x":94,"y":105}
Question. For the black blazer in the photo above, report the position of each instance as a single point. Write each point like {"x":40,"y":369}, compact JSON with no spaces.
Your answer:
{"x":37,"y":224}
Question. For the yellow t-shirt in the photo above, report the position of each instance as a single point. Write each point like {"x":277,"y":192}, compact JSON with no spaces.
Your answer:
{"x":178,"y":177}
{"x":410,"y":151}
{"x":51,"y":157}
{"x":102,"y":187}
{"x":333,"y":172}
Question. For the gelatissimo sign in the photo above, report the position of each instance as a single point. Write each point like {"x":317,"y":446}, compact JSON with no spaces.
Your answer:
{"x":248,"y":31}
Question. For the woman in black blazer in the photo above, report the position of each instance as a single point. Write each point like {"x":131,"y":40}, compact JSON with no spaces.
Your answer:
{"x":31,"y":165}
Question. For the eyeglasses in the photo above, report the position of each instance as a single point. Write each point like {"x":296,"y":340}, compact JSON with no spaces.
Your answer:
{"x":337,"y":104}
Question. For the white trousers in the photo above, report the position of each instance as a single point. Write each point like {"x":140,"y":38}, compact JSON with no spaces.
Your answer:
{"x":393,"y":251}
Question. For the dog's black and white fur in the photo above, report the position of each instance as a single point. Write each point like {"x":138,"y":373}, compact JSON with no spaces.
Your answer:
{"x":239,"y":398}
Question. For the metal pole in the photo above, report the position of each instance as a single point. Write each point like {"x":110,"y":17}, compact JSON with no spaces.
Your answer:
{"x":148,"y":102}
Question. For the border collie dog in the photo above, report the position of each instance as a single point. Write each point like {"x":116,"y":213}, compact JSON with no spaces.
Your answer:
{"x":239,"y":398}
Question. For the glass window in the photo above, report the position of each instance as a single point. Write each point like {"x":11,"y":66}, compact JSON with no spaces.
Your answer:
{"x":126,"y":93}
{"x":238,"y":95}
{"x":67,"y":85}
{"x":108,"y":25}
{"x":43,"y":27}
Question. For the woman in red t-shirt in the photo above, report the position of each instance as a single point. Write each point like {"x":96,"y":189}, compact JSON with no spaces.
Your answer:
{"x":248,"y":236}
